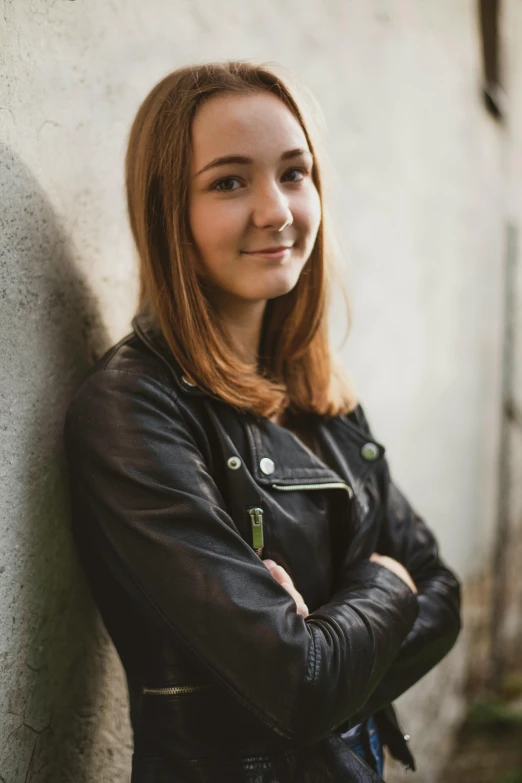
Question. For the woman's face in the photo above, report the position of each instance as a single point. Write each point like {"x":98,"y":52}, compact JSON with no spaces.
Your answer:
{"x":254,"y":209}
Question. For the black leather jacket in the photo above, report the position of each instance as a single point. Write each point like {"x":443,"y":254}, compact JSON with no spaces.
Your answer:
{"x":176,"y":499}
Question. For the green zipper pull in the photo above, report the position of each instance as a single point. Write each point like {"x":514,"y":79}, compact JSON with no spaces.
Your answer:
{"x":256,"y":518}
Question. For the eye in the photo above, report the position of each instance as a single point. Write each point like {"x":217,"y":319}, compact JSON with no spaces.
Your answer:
{"x":300,"y":171}
{"x":226,"y":182}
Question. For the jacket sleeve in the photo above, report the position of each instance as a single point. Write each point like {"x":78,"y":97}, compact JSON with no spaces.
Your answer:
{"x":144,"y":489}
{"x":405,"y":537}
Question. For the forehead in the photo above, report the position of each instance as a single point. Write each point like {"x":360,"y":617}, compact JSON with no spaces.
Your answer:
{"x":254,"y":125}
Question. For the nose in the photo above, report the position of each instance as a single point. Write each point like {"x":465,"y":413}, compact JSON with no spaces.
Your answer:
{"x":271,"y":208}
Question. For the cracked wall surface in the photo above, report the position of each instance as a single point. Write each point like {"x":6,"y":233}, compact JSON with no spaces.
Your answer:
{"x":421,"y":180}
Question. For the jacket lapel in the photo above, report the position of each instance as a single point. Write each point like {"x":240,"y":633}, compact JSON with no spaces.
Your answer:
{"x":292,"y":461}
{"x":344,"y":441}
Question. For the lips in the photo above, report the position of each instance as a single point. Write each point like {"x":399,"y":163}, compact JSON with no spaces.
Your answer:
{"x":267,"y":250}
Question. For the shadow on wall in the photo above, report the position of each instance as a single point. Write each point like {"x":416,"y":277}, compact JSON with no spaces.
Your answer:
{"x":56,"y":659}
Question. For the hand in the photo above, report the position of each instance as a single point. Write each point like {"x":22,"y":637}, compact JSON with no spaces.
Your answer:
{"x":396,"y":567}
{"x":280,"y":575}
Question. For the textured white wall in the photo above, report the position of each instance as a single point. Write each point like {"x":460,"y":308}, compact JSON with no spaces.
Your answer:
{"x":421,"y":205}
{"x":419,"y":175}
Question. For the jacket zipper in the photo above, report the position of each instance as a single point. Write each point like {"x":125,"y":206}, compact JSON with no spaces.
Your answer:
{"x":331,"y":485}
{"x":173,"y":690}
{"x":256,"y":514}
{"x":256,"y":520}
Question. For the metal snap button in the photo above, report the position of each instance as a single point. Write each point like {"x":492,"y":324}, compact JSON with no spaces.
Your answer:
{"x":267,"y":466}
{"x":234,"y":463}
{"x":370,"y":451}
{"x":186,"y":381}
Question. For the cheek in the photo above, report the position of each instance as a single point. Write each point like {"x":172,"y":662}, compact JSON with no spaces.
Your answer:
{"x":215,"y":226}
{"x":307,"y":212}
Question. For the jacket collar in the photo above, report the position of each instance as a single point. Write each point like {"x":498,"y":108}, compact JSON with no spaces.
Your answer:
{"x":293,"y":463}
{"x":147,"y":330}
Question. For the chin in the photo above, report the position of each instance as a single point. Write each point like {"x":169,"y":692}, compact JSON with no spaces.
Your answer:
{"x":279,"y":285}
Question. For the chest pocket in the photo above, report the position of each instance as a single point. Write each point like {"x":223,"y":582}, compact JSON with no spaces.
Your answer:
{"x":304,"y":531}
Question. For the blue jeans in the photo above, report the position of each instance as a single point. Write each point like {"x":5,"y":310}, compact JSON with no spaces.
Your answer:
{"x":364,"y":740}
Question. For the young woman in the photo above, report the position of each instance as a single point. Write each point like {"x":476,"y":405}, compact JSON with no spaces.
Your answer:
{"x":268,"y":588}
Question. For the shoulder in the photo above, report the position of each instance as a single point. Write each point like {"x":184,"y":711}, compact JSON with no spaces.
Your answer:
{"x":129,"y":357}
{"x":125,"y":378}
{"x":133,"y":394}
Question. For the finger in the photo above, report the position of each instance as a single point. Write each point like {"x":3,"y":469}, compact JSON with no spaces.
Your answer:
{"x":273,"y":566}
{"x":275,"y":571}
{"x":279,"y":573}
{"x":281,"y":576}
{"x":298,"y":598}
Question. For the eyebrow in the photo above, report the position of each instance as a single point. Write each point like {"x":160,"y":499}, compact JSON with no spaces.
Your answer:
{"x":242,"y":159}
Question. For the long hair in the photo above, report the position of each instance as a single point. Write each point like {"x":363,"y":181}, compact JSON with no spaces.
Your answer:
{"x":296,"y":370}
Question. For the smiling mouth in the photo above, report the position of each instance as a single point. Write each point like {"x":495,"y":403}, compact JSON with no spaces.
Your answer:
{"x":270,"y":252}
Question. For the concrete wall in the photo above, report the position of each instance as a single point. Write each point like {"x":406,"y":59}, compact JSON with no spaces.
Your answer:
{"x":420,"y":175}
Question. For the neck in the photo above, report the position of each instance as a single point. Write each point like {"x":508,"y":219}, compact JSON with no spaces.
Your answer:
{"x":243,"y":321}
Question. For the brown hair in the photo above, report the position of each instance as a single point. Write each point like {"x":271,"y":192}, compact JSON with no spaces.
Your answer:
{"x":296,"y":370}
